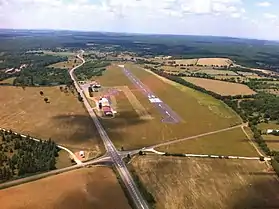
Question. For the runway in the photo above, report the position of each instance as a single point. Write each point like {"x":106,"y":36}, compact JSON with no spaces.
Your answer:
{"x":169,"y":116}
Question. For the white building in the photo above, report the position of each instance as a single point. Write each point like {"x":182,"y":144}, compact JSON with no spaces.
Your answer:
{"x":81,"y":154}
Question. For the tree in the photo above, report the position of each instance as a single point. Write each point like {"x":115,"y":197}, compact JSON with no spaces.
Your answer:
{"x":46,"y":100}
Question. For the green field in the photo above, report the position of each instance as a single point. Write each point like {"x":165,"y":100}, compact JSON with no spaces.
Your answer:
{"x":200,"y":113}
{"x":232,"y":142}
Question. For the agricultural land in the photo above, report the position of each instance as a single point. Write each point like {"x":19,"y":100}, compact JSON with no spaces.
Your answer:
{"x":62,"y":118}
{"x":271,"y":140}
{"x":206,"y":183}
{"x":221,"y":87}
{"x":95,"y":187}
{"x":232,"y":142}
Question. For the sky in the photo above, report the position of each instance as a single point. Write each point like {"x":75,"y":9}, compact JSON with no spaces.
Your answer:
{"x":235,"y":18}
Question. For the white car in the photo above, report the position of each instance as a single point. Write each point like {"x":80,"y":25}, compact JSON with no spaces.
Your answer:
{"x":151,"y":96}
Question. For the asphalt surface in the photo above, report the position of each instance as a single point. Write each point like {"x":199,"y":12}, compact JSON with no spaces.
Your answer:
{"x":169,"y":116}
{"x":126,"y":177}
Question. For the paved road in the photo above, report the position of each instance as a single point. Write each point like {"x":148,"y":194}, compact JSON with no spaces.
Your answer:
{"x":126,"y":177}
{"x":169,"y":116}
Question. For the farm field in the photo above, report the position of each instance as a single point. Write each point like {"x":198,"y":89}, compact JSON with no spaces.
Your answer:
{"x":272,"y":142}
{"x":232,"y":142}
{"x":218,"y":72}
{"x":63,"y":119}
{"x":185,"y":61}
{"x":221,"y":87}
{"x":210,"y":114}
{"x":214,"y":61}
{"x":207,"y":183}
{"x":84,"y":188}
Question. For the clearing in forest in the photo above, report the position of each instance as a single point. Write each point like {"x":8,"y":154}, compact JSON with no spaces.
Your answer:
{"x":214,"y":61}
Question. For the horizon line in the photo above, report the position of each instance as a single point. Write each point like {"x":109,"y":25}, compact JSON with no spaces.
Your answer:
{"x":134,"y":33}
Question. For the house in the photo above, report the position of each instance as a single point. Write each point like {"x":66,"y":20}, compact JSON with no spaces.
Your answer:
{"x":104,"y":102}
{"x":81,"y":154}
{"x":107,"y":111}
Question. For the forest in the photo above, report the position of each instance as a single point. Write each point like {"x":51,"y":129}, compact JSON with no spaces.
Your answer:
{"x":21,"y":156}
{"x":36,"y":72}
{"x":90,"y":69}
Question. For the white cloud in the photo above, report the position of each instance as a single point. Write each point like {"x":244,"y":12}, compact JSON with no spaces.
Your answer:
{"x":269,"y":16}
{"x":263,"y":4}
{"x":204,"y":17}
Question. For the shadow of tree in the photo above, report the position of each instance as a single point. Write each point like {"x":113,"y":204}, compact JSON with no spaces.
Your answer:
{"x":84,"y":129}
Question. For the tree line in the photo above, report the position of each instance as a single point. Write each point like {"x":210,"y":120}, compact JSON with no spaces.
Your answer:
{"x":20,"y":156}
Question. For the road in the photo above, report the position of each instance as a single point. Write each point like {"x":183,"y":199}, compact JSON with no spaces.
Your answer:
{"x":126,"y":177}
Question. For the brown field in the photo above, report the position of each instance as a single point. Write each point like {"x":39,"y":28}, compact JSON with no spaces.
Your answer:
{"x":64,"y":119}
{"x":207,"y":183}
{"x":95,"y":187}
{"x":214,"y":61}
{"x":72,"y":62}
{"x":232,"y":142}
{"x":218,"y":72}
{"x":128,"y":130}
{"x":221,"y":87}
{"x":272,"y":142}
